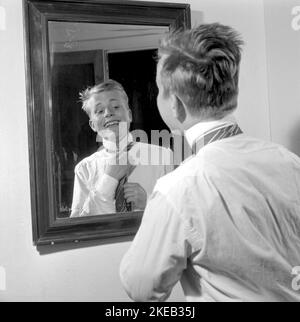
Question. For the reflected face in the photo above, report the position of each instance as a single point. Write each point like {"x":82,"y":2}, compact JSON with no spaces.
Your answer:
{"x":110,"y":115}
{"x":166,"y":103}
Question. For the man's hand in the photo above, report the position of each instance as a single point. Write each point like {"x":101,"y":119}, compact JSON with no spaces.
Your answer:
{"x":134,"y":193}
{"x":118,"y":171}
{"x":119,"y":166}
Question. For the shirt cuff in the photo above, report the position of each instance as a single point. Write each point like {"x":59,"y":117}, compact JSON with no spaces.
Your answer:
{"x":107,"y":186}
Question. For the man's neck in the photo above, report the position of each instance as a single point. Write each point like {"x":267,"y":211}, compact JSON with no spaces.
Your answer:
{"x":117,"y":144}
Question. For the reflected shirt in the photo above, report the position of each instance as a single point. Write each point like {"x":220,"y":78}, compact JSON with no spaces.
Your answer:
{"x":226,"y":224}
{"x":94,"y":191}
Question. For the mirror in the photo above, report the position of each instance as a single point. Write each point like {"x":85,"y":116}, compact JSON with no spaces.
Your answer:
{"x":71,"y":46}
{"x":82,"y":55}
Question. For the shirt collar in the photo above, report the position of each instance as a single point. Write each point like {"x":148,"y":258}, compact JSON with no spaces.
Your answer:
{"x":199,"y":129}
{"x":111,"y":147}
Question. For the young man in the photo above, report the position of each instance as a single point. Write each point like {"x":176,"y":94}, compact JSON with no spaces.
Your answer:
{"x":226,"y":223}
{"x":119,"y":177}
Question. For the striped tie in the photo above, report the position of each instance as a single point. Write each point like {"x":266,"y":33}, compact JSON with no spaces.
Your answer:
{"x":121,"y":204}
{"x":216,"y":135}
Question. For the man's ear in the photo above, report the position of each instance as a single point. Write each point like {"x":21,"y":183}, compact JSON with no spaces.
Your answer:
{"x":130,"y":115}
{"x":92,"y":125}
{"x":178,"y":108}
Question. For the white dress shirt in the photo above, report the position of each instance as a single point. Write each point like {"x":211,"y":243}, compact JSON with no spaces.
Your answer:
{"x":94,"y":191}
{"x":226,"y":223}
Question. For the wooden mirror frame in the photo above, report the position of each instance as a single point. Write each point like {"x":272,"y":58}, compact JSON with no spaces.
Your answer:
{"x":47,"y":229}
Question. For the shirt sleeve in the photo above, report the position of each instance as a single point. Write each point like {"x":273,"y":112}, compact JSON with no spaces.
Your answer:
{"x":158,"y":255}
{"x":93,"y":201}
{"x":80,"y":192}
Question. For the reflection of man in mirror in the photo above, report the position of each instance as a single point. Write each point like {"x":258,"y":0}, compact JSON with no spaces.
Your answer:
{"x":114,"y":179}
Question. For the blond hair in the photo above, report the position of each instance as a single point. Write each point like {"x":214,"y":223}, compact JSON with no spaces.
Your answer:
{"x":107,"y":86}
{"x":201,"y":67}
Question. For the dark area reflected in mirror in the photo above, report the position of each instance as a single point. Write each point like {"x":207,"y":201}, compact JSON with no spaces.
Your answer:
{"x":85,"y":54}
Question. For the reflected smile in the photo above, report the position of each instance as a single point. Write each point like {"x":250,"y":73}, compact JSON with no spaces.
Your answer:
{"x":111,"y":123}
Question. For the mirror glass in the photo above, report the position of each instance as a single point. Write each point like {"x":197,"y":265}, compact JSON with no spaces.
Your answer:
{"x":81,"y":56}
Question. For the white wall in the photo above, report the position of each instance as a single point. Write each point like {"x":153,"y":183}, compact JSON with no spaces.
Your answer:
{"x":91,"y":274}
{"x":283,"y":56}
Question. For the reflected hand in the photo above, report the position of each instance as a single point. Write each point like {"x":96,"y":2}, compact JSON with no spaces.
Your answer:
{"x":119,"y":166}
{"x":135,"y":193}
